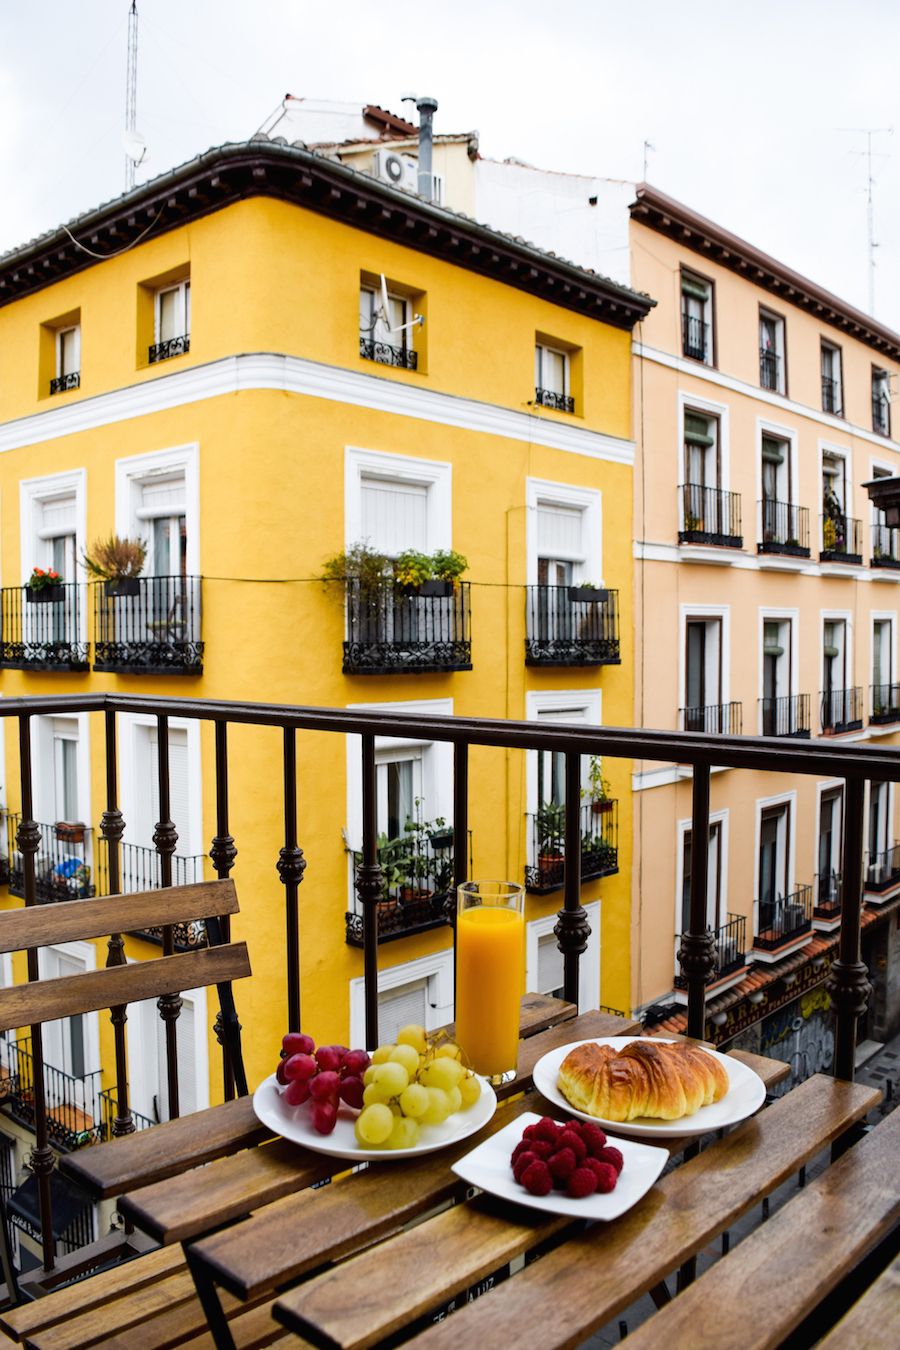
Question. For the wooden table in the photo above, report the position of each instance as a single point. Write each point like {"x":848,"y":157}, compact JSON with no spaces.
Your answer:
{"x":352,"y":1263}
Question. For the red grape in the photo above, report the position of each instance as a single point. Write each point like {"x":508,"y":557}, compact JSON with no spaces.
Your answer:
{"x":295,"y":1043}
{"x":279,"y":1073}
{"x":297,"y":1092}
{"x":324,"y":1117}
{"x":352,"y":1091}
{"x":356,"y":1062}
{"x":329,"y":1057}
{"x":300,"y":1066}
{"x":325,"y":1086}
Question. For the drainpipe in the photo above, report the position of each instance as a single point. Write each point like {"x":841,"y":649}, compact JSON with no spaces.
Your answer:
{"x":427,"y":107}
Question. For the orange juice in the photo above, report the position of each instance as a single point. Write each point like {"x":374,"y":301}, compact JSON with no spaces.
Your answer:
{"x":489,"y":977}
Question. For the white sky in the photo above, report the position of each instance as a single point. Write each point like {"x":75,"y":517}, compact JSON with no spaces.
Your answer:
{"x":748,"y":102}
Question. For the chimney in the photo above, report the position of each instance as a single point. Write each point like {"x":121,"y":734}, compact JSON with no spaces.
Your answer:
{"x":427,"y":107}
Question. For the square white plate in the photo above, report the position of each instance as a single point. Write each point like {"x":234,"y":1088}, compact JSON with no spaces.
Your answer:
{"x":489,"y":1168}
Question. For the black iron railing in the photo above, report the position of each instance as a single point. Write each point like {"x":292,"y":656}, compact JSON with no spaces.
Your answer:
{"x":841,"y":539}
{"x":883,"y":870}
{"x":154,"y":631}
{"x":885,"y":546}
{"x":710,"y":516}
{"x":828,"y":891}
{"x":881,"y":414}
{"x":885,"y":703}
{"x":571,"y":626}
{"x":731,"y":949}
{"x":831,"y":396}
{"x":551,"y":398}
{"x":62,"y":863}
{"x":141,"y":869}
{"x":109,"y":1110}
{"x":73,"y":1103}
{"x":694,"y":337}
{"x":722,"y":718}
{"x":176,"y":346}
{"x":784,"y":920}
{"x":842,"y":709}
{"x":785,"y":716}
{"x":393,"y":629}
{"x":769,"y":363}
{"x":61,"y":383}
{"x":784,"y":528}
{"x":386,"y":354}
{"x":43,"y":630}
{"x":417,"y":870}
{"x":598,"y":844}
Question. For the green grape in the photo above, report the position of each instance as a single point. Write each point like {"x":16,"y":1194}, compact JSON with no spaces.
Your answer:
{"x":392,"y":1078}
{"x":374,"y":1123}
{"x":442,"y":1073}
{"x":455,"y":1099}
{"x":404,"y":1133}
{"x":470,"y":1091}
{"x":414,"y":1101}
{"x":408,"y":1057}
{"x":438,"y":1107}
{"x":413,"y":1035}
{"x":373,"y":1093}
{"x":449,"y":1050}
{"x":368,"y":1075}
{"x":382,"y":1054}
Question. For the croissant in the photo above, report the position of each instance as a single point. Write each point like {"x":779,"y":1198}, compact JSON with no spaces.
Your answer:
{"x":646,"y":1078}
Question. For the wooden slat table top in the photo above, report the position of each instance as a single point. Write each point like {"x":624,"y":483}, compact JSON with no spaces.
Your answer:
{"x":874,"y":1321}
{"x":771,"y":1071}
{"x":593,"y":1276}
{"x":847,"y":1209}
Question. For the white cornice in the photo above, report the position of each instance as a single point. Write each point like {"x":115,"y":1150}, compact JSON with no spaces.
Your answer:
{"x":295,"y":375}
{"x":645,"y":550}
{"x":841,"y":428}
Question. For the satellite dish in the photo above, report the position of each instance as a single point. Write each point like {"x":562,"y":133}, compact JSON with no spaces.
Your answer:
{"x":135,"y":146}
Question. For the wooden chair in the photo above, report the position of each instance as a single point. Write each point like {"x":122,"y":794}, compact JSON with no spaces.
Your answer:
{"x":42,"y":1001}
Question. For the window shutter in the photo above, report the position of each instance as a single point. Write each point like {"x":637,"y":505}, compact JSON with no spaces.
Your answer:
{"x":178,"y":786}
{"x":187,"y":1059}
{"x":692,"y":286}
{"x":162,"y":497}
{"x":772,"y":451}
{"x":560,"y":531}
{"x":58,"y":516}
{"x":697,"y":429}
{"x":550,"y":964}
{"x":394,"y":515}
{"x":398,"y":1007}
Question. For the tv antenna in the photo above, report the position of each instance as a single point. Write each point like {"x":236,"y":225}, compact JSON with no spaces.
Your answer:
{"x":870,"y":154}
{"x":135,"y":145}
{"x":648,"y":146}
{"x":383,"y":312}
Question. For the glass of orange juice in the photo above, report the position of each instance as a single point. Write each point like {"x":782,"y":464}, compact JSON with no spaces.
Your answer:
{"x":490,"y":971}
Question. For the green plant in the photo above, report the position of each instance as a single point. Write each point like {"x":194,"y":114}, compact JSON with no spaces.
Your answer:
{"x":411,"y":568}
{"x":41,"y":579}
{"x":115,"y":558}
{"x":829,"y":534}
{"x":551,"y":824}
{"x":598,"y":786}
{"x":358,"y":563}
{"x":448,"y":565}
{"x":691,"y":522}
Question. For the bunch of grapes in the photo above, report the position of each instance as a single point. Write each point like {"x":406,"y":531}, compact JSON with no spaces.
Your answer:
{"x":419,"y":1081}
{"x":323,"y":1077}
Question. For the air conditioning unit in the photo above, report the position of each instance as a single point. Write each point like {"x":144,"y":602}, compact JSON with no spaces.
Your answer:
{"x":397,"y":169}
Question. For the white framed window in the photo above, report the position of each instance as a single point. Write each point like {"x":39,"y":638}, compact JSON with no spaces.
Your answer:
{"x":71,"y":1044}
{"x":414,"y":991}
{"x":879,"y":835}
{"x":774,"y":879}
{"x":696,"y":318}
{"x":828,"y":844}
{"x":53,"y":524}
{"x":158,"y":500}
{"x":147,"y":1071}
{"x":883,"y":648}
{"x":564,"y":534}
{"x":68,"y":351}
{"x":394,"y":502}
{"x":771,"y":351}
{"x":778,"y":672}
{"x":717,"y":874}
{"x":704,"y":660}
{"x":544,"y":960}
{"x":551,"y":369}
{"x":881,"y":401}
{"x":391,"y":328}
{"x":545,"y":771}
{"x":60,"y":750}
{"x":839,"y":698}
{"x":172,"y":312}
{"x":139,"y":777}
{"x":832,"y":380}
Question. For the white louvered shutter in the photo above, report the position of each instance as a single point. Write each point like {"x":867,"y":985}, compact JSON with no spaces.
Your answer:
{"x":187,"y":1059}
{"x":550,"y":965}
{"x":399,"y":1007}
{"x":394,"y":515}
{"x":560,"y":532}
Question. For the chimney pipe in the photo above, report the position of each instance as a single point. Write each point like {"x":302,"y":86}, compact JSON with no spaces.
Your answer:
{"x":427,"y":107}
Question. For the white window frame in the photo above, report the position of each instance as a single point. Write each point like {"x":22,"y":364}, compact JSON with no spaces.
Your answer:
{"x":844,"y":616}
{"x":834,"y":451}
{"x":539,"y":349}
{"x":770,"y":614}
{"x":837,"y":369}
{"x":883,"y":616}
{"x":537,"y":701}
{"x":688,"y":403}
{"x":85,"y":954}
{"x":780,"y":329}
{"x":761,"y":804}
{"x":44,"y":761}
{"x":774,"y":430}
{"x":34,"y":540}
{"x":723,"y":614}
{"x":58,"y":342}
{"x":589,"y":501}
{"x":183,"y":288}
{"x":683,"y":828}
{"x":435,"y":475}
{"x":139,"y":1037}
{"x":685,"y":273}
{"x":589,"y":962}
{"x":887,"y":842}
{"x":131,"y":787}
{"x":136,"y":470}
{"x":436,"y":969}
{"x":822,"y":786}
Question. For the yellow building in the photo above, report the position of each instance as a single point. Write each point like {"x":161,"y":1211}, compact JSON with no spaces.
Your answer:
{"x":277,"y":359}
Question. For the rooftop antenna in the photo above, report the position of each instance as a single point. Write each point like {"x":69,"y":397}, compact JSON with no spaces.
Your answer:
{"x":135,"y":147}
{"x":647,"y":148}
{"x":869,"y":132}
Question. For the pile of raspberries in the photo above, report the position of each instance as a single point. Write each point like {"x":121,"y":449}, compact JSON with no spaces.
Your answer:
{"x":574,"y":1158}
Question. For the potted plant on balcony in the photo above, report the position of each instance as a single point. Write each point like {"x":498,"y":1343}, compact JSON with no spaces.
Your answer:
{"x":551,"y":823}
{"x":70,"y":831}
{"x":44,"y":586}
{"x":118,"y":563}
{"x":587,"y":593}
{"x":420,"y":863}
{"x":441,"y":834}
{"x":361,"y":572}
{"x":598,"y":788}
{"x":433,"y":575}
{"x":448,"y":566}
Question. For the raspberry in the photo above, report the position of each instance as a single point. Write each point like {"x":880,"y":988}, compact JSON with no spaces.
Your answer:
{"x":522,"y":1164}
{"x":572,"y":1139}
{"x":594,"y":1139}
{"x":612,"y":1156}
{"x":522,"y":1147}
{"x":547,"y":1129}
{"x":606,"y":1181}
{"x":537,"y":1180}
{"x":581,"y":1183}
{"x":528,"y":1132}
{"x":542,"y":1148}
{"x":562,"y":1164}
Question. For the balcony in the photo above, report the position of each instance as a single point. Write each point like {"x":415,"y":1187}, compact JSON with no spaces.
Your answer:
{"x":386,"y":355}
{"x":769,"y":369}
{"x":599,"y":845}
{"x":43,"y":630}
{"x":885,"y":546}
{"x":882,"y":873}
{"x":828,"y":890}
{"x":783,"y":922}
{"x":885,"y":703}
{"x":162,"y":351}
{"x":155,"y":630}
{"x":784,"y":528}
{"x":722,"y":719}
{"x":842,"y":710}
{"x":881,"y":414}
{"x":694,"y":338}
{"x":831,"y":396}
{"x":395,"y":630}
{"x":417,"y":873}
{"x":140,"y":869}
{"x":61,"y":867}
{"x":74,"y":1117}
{"x":787,"y":716}
{"x":62,"y":383}
{"x":551,"y":398}
{"x":710,"y":516}
{"x":571,"y":626}
{"x":841,"y":539}
{"x":731,"y":950}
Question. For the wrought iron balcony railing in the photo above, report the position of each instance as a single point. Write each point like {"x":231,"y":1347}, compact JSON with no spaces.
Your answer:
{"x":393,"y":629}
{"x":43,"y":630}
{"x":551,"y":398}
{"x":387,"y":355}
{"x":73,"y":1103}
{"x":885,"y":703}
{"x":841,"y":539}
{"x":783,"y":920}
{"x":831,"y":396}
{"x":724,"y":719}
{"x":176,"y":346}
{"x":141,"y":870}
{"x":883,"y":870}
{"x":62,"y":867}
{"x":571,"y":626}
{"x":710,"y":516}
{"x":769,"y":374}
{"x":731,"y":950}
{"x":885,"y":546}
{"x":418,"y":880}
{"x":828,"y":891}
{"x":842,"y":709}
{"x":155,"y":631}
{"x":109,"y":1112}
{"x":784,"y":528}
{"x":881,"y":415}
{"x":786,"y":716}
{"x":599,"y":845}
{"x":61,"y":383}
{"x":694,"y":338}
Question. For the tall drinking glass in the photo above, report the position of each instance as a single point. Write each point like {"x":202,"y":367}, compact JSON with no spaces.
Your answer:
{"x":490,"y":967}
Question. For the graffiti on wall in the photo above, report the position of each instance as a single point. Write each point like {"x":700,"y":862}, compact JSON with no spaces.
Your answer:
{"x":802,"y":1035}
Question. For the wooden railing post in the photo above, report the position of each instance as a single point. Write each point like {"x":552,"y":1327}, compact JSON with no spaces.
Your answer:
{"x":572,"y":929}
{"x":847,"y":983}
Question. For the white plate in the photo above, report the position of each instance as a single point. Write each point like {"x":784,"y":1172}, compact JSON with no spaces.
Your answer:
{"x":746,"y":1094}
{"x":294,"y":1123}
{"x":489,"y":1168}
